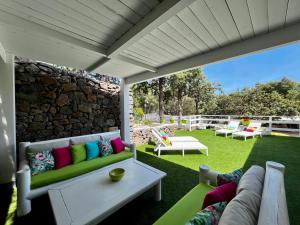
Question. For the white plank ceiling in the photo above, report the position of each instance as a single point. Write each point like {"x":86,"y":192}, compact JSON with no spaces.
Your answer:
{"x":198,"y":28}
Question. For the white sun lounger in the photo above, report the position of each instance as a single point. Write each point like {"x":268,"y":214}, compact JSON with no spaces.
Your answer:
{"x":231,"y":128}
{"x":178,"y":145}
{"x":176,"y":139}
{"x":246,"y":134}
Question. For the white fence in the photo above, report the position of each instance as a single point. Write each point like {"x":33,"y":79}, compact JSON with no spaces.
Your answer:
{"x":273,"y":123}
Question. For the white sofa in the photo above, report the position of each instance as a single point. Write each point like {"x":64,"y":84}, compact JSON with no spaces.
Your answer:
{"x":273,"y":206}
{"x":260,"y":198}
{"x":24,"y":192}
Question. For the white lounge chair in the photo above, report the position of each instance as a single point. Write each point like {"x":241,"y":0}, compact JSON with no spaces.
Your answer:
{"x":231,"y":128}
{"x":176,"y":139}
{"x":177,"y":145}
{"x":245,"y":134}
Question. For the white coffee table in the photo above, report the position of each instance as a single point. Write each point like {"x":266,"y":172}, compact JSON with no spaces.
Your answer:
{"x":93,"y":196}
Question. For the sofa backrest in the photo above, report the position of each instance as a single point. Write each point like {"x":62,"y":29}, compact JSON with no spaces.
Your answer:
{"x":62,"y":142}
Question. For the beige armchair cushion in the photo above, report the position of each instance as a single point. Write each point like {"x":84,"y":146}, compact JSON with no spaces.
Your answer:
{"x":242,"y":210}
{"x":252,"y":180}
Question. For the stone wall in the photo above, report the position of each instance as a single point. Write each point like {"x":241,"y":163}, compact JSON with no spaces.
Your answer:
{"x":52,"y":103}
{"x":143,"y":134}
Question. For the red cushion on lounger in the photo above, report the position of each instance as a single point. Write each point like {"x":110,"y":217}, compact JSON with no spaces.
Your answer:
{"x":250,"y":129}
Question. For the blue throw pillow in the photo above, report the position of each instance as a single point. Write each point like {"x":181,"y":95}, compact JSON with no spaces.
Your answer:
{"x":92,"y":150}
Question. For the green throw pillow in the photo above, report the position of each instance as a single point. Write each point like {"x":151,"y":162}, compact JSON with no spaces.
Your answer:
{"x":208,"y":216}
{"x":78,"y":153}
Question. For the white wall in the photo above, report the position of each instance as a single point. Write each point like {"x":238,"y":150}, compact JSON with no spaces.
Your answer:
{"x":7,"y":120}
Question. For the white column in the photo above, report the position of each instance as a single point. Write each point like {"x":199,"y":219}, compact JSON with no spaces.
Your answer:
{"x":125,"y":111}
{"x":7,"y":120}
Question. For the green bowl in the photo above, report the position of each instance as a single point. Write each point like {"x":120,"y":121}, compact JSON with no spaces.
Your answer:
{"x":116,"y":174}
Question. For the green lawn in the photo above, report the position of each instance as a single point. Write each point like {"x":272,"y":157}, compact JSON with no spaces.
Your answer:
{"x":228,"y":154}
{"x":182,"y":174}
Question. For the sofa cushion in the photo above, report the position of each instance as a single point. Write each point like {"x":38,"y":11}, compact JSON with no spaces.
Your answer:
{"x":74,"y":170}
{"x":78,"y":153}
{"x":62,"y":157}
{"x":252,"y":180}
{"x":117,"y":145}
{"x":223,"y":193}
{"x":84,"y":139}
{"x":41,"y":146}
{"x":92,"y":150}
{"x":243,"y":209}
{"x":186,"y":207}
{"x":208,"y":216}
{"x":105,"y":147}
{"x":40,"y":161}
{"x":229,"y":177}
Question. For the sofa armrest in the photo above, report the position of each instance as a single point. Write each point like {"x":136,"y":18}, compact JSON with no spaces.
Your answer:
{"x":273,"y":207}
{"x":23,"y":185}
{"x":131,"y":147}
{"x":207,"y":176}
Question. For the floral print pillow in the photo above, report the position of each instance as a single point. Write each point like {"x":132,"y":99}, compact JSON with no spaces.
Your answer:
{"x":208,"y":216}
{"x":105,"y":147}
{"x":229,"y":177}
{"x":40,"y":161}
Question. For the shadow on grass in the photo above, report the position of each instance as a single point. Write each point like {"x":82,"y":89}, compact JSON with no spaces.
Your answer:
{"x":141,"y":211}
{"x":284,"y":150}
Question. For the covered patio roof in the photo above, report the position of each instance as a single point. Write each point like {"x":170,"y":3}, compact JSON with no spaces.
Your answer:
{"x":144,"y":39}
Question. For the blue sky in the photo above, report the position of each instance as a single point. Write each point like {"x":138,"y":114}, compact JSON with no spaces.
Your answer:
{"x":246,"y":71}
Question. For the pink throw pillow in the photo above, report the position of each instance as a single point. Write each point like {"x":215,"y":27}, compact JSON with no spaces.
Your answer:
{"x":62,"y":157}
{"x":223,"y":193}
{"x":117,"y":145}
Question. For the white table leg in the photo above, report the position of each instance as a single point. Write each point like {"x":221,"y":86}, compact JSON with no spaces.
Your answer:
{"x":158,"y":191}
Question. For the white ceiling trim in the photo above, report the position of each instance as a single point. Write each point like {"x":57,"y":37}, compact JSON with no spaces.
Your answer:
{"x":265,"y":41}
{"x":136,"y":63}
{"x":159,"y":15}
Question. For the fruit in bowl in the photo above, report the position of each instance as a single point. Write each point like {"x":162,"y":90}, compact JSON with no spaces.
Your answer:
{"x":116,"y":174}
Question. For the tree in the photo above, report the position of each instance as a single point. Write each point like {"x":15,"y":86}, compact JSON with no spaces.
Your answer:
{"x":202,"y":91}
{"x":179,"y":86}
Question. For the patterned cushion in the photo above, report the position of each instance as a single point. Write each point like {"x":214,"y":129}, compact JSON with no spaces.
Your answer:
{"x":167,"y":141}
{"x":163,"y":134}
{"x":208,"y":216}
{"x":40,"y":161}
{"x":166,"y":131}
{"x":229,"y":177}
{"x":105,"y":147}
